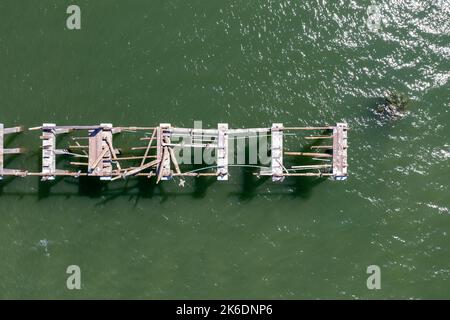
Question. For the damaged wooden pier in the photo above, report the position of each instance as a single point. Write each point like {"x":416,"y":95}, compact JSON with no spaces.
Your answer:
{"x":92,"y":152}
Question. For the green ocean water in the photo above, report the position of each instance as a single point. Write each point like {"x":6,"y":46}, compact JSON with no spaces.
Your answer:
{"x":248,"y":63}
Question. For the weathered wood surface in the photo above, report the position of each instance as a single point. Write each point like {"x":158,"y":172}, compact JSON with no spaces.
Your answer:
{"x":100,"y":156}
{"x":148,"y":147}
{"x":48,"y":152}
{"x":277,"y":151}
{"x":340,"y":151}
{"x":103,"y":161}
{"x":309,"y":154}
{"x":164,"y":165}
{"x":318,"y":137}
{"x":222,"y":152}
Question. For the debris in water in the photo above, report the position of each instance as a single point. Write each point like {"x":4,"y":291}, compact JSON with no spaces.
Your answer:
{"x":44,"y":244}
{"x":394,"y":105}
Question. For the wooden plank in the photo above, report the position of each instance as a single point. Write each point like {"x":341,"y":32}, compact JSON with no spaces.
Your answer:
{"x":141,"y":168}
{"x":313,"y":166}
{"x":173,"y":158}
{"x":100,"y":155}
{"x":99,"y":158}
{"x":13,"y":130}
{"x":143,"y":148}
{"x":160,"y":165}
{"x":95,"y":145}
{"x":222,"y":152}
{"x":321,"y":147}
{"x":119,"y":129}
{"x":340,"y":151}
{"x":107,"y":158}
{"x":304,"y":174}
{"x":277,"y":152}
{"x":148,"y":147}
{"x":158,"y":144}
{"x":318,"y":137}
{"x":191,"y":145}
{"x":79,"y":163}
{"x":165,"y":161}
{"x":135,"y":158}
{"x":309,"y":128}
{"x":166,"y":165}
{"x":114,"y":154}
{"x":48,"y":151}
{"x":308,"y":154}
{"x":13,"y":150}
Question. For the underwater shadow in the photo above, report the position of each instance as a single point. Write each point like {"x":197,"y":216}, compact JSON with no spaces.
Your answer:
{"x":250,"y":183}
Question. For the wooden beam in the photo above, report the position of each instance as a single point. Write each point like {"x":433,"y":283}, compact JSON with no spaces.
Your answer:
{"x":48,"y":151}
{"x":139,"y":169}
{"x":160,"y":165}
{"x":113,"y":153}
{"x":164,"y":164}
{"x":174,"y":159}
{"x":309,"y":128}
{"x":13,"y":150}
{"x":148,"y":147}
{"x":99,"y":158}
{"x":309,"y":154}
{"x":319,"y":137}
{"x":340,"y":151}
{"x":79,"y":163}
{"x":313,"y":166}
{"x":277,"y":151}
{"x":222,"y":152}
{"x":135,"y":158}
{"x":13,"y":130}
{"x":143,"y":148}
{"x":191,"y":145}
{"x":305,"y":174}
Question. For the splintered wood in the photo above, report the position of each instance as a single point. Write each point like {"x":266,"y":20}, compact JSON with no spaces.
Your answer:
{"x":97,"y":156}
{"x":100,"y":155}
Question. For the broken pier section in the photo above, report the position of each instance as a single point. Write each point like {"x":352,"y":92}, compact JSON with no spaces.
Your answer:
{"x":96,"y":156}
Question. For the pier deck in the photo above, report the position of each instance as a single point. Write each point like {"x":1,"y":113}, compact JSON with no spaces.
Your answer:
{"x":162,"y":144}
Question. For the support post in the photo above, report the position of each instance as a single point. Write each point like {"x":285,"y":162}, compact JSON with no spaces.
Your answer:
{"x":48,"y":151}
{"x":277,"y":152}
{"x":107,"y":133}
{"x":340,"y":151}
{"x":164,"y":166}
{"x":100,"y":156}
{"x":222,"y":152}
